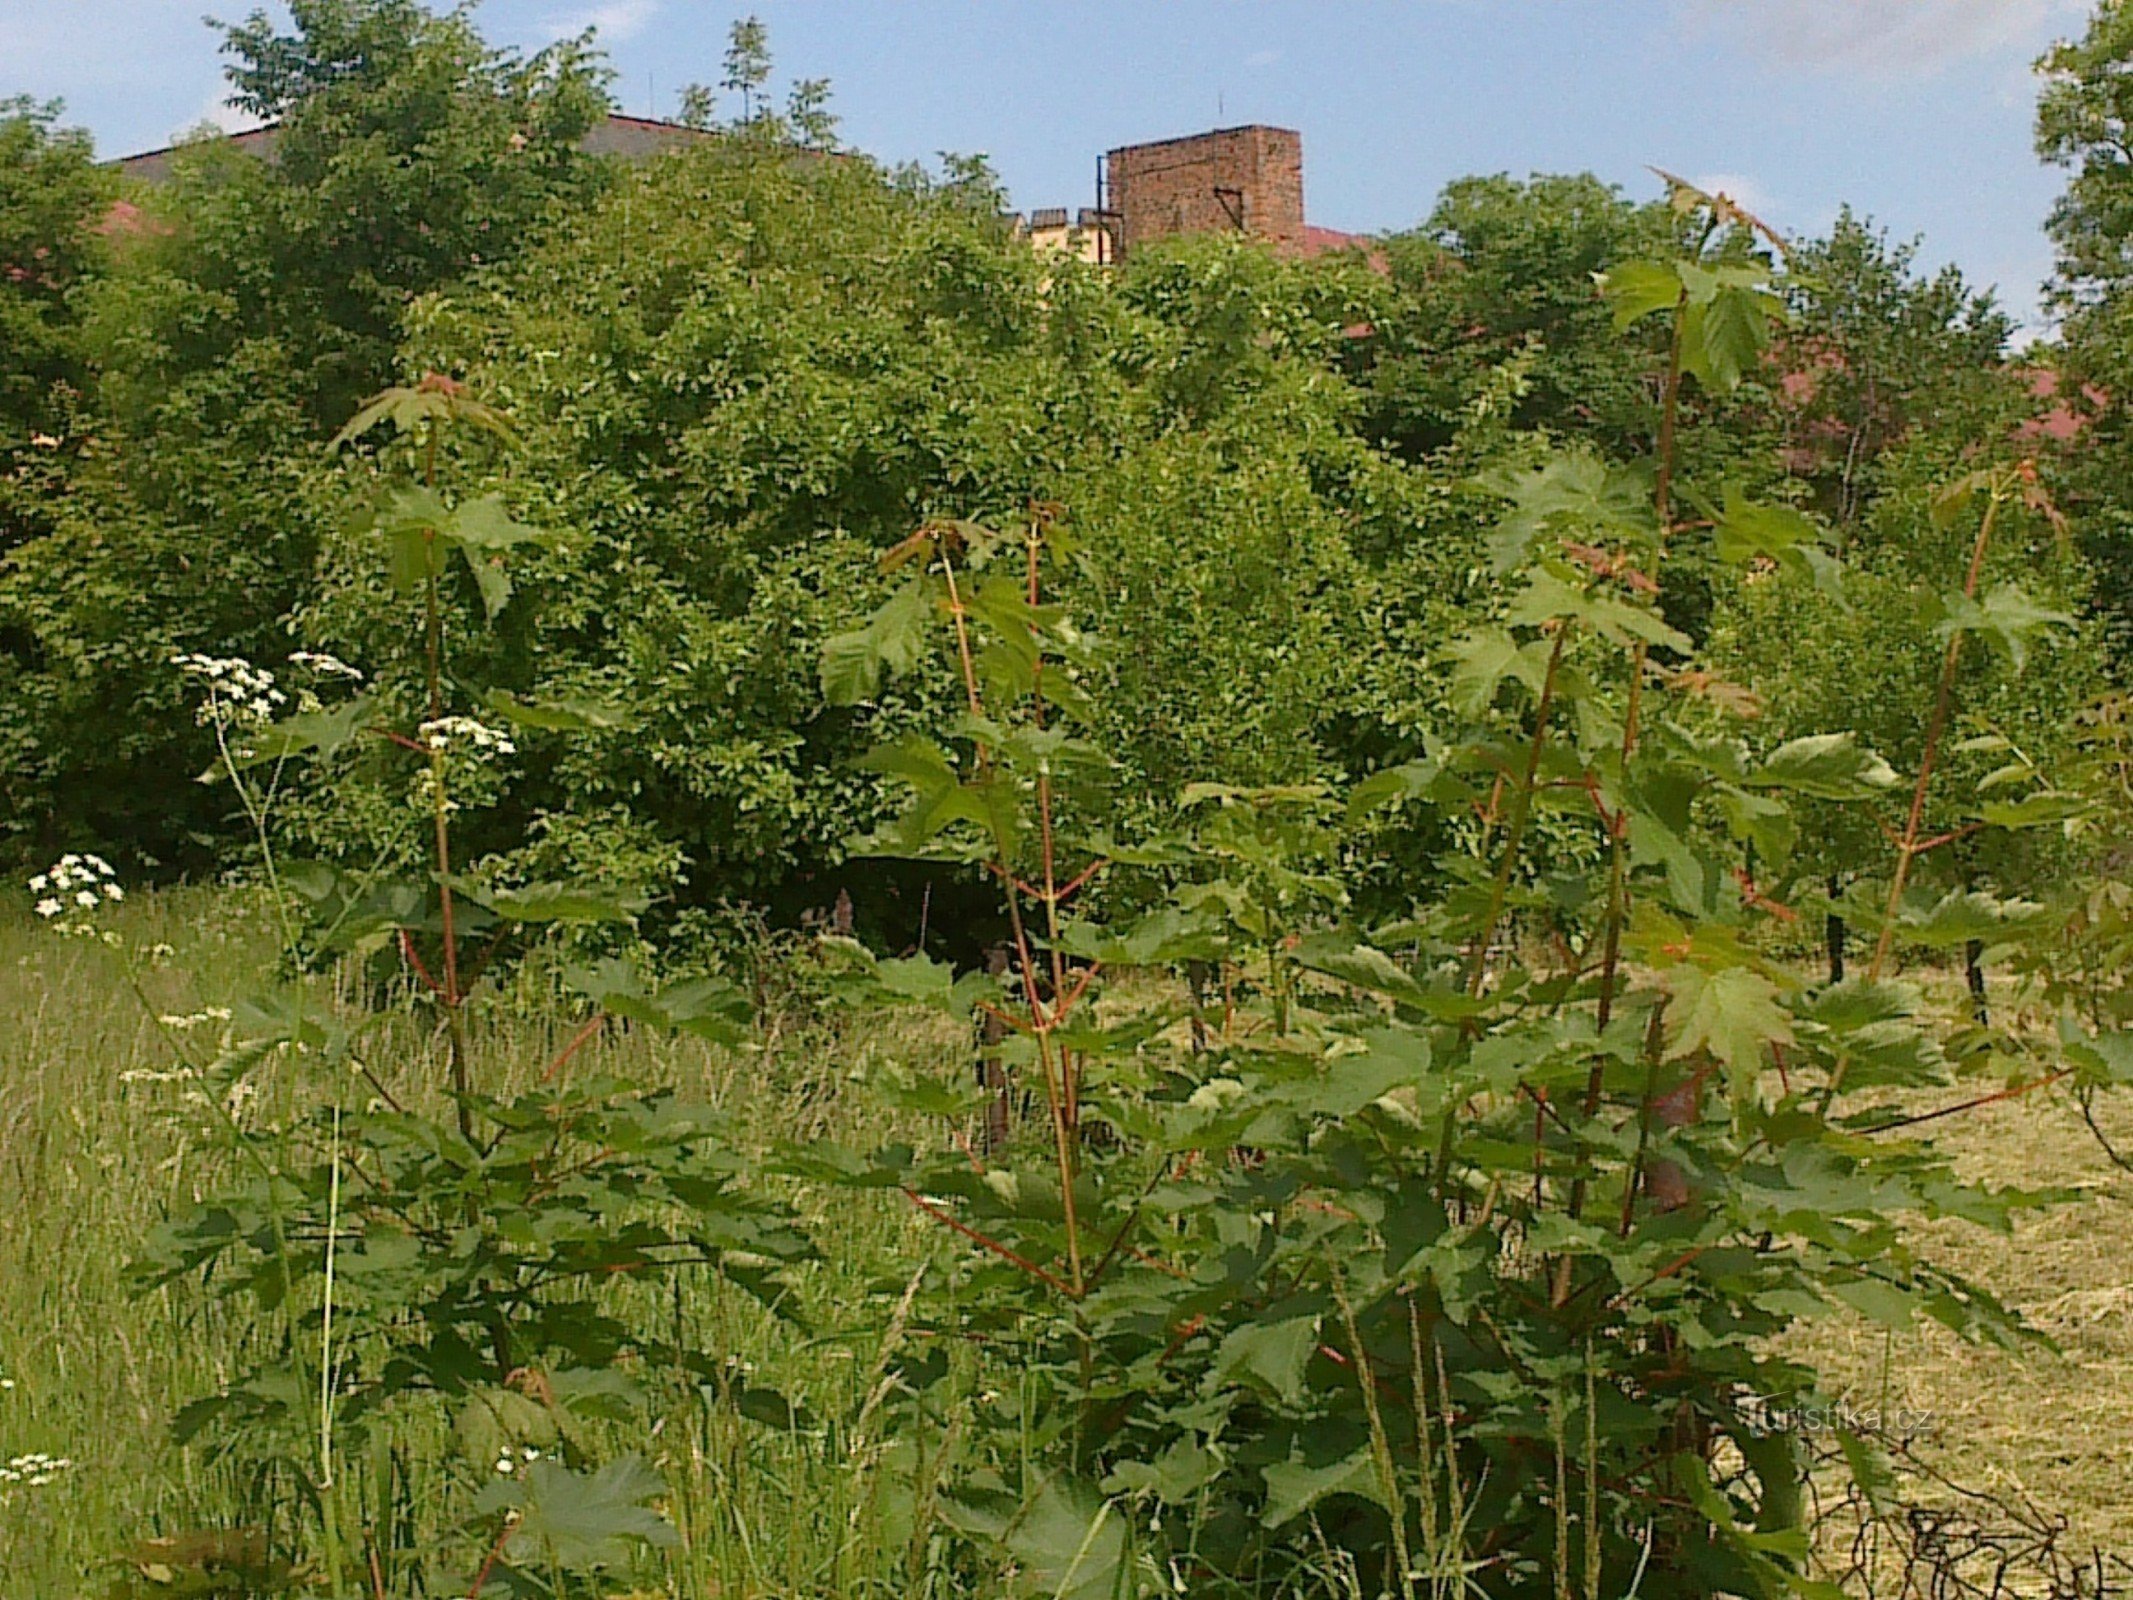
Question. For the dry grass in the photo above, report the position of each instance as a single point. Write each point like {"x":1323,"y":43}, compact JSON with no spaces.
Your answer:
{"x":2047,"y":1429}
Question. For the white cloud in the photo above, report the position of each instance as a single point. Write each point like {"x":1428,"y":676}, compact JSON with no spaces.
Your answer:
{"x":1882,"y":38}
{"x":1262,"y":58}
{"x":613,"y":20}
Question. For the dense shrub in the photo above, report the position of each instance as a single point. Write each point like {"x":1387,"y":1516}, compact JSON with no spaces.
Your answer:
{"x":743,"y":369}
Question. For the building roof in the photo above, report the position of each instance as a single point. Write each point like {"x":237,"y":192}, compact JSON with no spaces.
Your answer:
{"x":2059,"y":418}
{"x":1319,"y":241}
{"x":1202,"y":137}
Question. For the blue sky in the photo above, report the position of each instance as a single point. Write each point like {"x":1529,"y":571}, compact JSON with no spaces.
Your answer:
{"x":1915,"y":111}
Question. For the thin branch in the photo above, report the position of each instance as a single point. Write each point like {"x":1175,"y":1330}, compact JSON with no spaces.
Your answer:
{"x":578,"y":1040}
{"x":949,"y":1219}
{"x":2013,"y":1092}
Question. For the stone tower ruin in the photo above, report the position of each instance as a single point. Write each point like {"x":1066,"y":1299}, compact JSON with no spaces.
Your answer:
{"x":1241,"y":180}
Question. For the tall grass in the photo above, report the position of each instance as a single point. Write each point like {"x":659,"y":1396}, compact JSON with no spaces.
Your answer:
{"x":95,"y":1147}
{"x":98,"y":1143}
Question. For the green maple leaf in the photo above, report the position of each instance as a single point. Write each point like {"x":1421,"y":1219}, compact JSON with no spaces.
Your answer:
{"x":1484,"y":659}
{"x":891,"y":642}
{"x":582,"y":1521}
{"x":1635,"y":289}
{"x":2006,"y":619}
{"x":1575,"y":493}
{"x":1732,"y":1013}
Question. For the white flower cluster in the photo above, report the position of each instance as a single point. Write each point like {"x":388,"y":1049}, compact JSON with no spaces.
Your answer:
{"x":425,"y":793}
{"x":237,"y":691}
{"x":151,"y":1075}
{"x":74,"y":885}
{"x":506,"y":1466}
{"x":237,"y":1100}
{"x":446,"y":732}
{"x":35,"y":1470}
{"x":327,"y":666}
{"x":183,"y":1021}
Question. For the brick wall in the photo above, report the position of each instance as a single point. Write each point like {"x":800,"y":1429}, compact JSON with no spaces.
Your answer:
{"x":1246,"y":179}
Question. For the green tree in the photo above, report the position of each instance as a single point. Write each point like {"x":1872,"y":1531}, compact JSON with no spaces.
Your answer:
{"x":2085,"y":126}
{"x":1892,"y":379}
{"x":807,"y":113}
{"x":52,"y":204}
{"x":252,"y":303}
{"x":1494,"y":1304}
{"x":1501,"y":270}
{"x":407,"y":152}
{"x":794,"y":360}
{"x":807,"y":121}
{"x":747,"y":65}
{"x":1878,"y":352}
{"x":52,"y":201}
{"x":699,"y":107}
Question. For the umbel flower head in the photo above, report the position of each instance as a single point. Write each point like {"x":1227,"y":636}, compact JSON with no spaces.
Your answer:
{"x":327,"y":666}
{"x":73,"y":889}
{"x":464,"y":733}
{"x":34,"y":1470}
{"x":237,"y":691}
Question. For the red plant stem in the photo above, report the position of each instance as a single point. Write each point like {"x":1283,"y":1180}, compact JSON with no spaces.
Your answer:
{"x":1543,"y":1107}
{"x":1050,"y":897}
{"x":407,"y":948}
{"x":1521,"y":810}
{"x":1635,"y":1180}
{"x":2011,"y":1093}
{"x":1500,"y":884}
{"x":1376,"y":1382}
{"x":1004,"y":1018}
{"x":1949,"y":837}
{"x":1118,"y":1243}
{"x":1069,"y":1076}
{"x":1061,"y":1008}
{"x":1540,"y":1134}
{"x":949,"y":1219}
{"x":433,"y":663}
{"x":1067,"y":889}
{"x":488,"y":1563}
{"x":1057,"y":1089}
{"x":1618,"y":823}
{"x":1686,"y":1258}
{"x":1909,"y":848}
{"x":1499,"y":887}
{"x":577,"y":1040}
{"x":402,"y":740}
{"x":1191,"y":1327}
{"x":962,"y":643}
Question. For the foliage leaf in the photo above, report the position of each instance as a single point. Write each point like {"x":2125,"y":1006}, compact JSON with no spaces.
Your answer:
{"x":891,"y":642}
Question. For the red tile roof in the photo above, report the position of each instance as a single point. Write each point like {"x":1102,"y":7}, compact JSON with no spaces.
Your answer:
{"x":1319,"y":241}
{"x":2059,"y":421}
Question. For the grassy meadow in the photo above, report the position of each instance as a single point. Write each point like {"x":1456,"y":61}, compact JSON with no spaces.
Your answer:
{"x":96,"y":1141}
